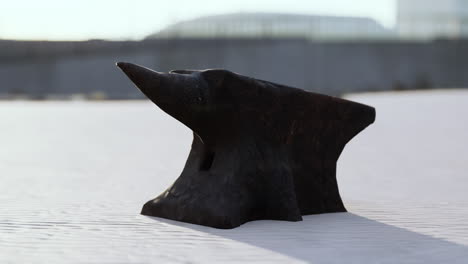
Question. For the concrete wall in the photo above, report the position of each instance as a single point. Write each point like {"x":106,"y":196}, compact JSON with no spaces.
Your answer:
{"x":64,"y":68}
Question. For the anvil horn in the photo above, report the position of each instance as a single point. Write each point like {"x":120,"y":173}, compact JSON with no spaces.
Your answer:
{"x":260,"y":150}
{"x":162,"y":88}
{"x":148,"y":81}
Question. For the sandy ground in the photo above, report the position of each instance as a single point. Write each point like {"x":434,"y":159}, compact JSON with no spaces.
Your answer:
{"x":75,"y":175}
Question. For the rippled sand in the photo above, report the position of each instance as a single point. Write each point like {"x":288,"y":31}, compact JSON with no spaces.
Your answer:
{"x":75,"y":175}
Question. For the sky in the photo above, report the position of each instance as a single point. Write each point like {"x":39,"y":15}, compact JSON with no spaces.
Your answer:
{"x":132,"y":20}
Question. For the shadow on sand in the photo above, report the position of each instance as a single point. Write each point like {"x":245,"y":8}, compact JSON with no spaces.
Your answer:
{"x":340,"y":238}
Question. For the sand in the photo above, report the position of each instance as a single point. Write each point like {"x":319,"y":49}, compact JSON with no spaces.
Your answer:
{"x":74,"y":176}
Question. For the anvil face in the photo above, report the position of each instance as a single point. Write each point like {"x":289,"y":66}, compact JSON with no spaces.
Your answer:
{"x":260,"y":150}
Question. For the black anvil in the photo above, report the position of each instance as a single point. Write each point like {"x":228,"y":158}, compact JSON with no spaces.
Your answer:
{"x":260,"y":150}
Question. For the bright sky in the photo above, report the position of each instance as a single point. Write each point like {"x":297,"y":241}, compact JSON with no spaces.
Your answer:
{"x":134,"y":19}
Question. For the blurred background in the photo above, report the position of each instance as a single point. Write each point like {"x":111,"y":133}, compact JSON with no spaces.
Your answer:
{"x":66,"y":50}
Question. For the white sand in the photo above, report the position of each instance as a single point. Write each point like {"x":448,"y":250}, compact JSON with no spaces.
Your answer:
{"x":75,"y":175}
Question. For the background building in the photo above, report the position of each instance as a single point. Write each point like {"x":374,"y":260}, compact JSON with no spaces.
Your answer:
{"x":432,"y":19}
{"x":61,"y":70}
{"x":272,"y":25}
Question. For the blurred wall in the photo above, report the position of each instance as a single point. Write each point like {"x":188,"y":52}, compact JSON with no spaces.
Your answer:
{"x":48,"y":69}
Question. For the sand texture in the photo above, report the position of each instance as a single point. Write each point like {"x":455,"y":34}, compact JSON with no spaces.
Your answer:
{"x":74,"y":176}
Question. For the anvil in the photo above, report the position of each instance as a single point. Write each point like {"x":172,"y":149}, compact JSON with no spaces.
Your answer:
{"x":260,"y":150}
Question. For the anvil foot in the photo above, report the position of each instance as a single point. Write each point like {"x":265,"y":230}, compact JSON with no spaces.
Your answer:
{"x":226,"y":206}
